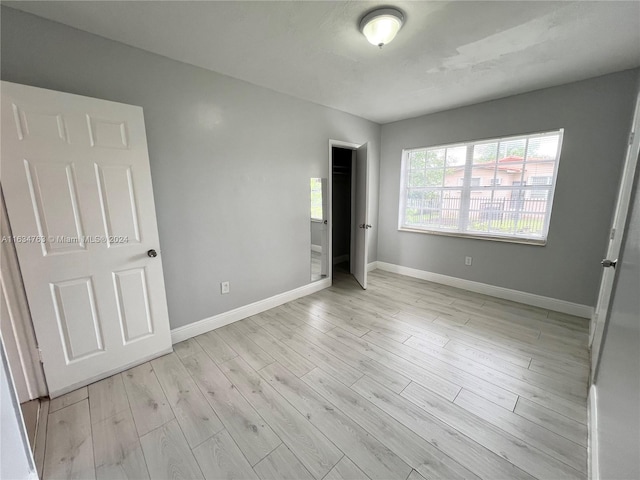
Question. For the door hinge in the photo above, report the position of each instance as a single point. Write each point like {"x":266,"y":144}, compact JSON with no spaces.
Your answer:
{"x":40,"y":356}
{"x":613,"y":234}
{"x":631,"y":137}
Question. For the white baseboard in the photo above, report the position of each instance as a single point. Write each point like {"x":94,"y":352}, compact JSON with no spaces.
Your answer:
{"x":341,"y":258}
{"x":592,"y":421}
{"x":372,"y":266}
{"x":548,"y":303}
{"x":316,"y":248}
{"x":202,"y":326}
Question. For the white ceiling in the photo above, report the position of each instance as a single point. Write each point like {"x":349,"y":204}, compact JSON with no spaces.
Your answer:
{"x":447,"y":55}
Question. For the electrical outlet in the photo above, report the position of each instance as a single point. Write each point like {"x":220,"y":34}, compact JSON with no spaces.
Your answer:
{"x":467,"y":261}
{"x":224,"y":287}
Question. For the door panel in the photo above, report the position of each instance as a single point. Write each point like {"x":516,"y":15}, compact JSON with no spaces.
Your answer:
{"x":118,"y":202}
{"x":361,"y":216}
{"x":107,"y":133}
{"x":75,"y":172}
{"x":133,"y":304}
{"x":45,"y":126}
{"x":78,"y":323}
{"x":55,"y":204}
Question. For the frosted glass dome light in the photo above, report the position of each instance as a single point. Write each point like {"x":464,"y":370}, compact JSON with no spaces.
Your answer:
{"x":381,"y":26}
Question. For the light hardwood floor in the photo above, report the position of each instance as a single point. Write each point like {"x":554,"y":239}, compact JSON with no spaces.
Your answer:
{"x":406,"y":380}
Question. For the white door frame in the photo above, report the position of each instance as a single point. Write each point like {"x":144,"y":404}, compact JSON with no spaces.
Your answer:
{"x":618,"y":223}
{"x":348,"y":146}
{"x":17,"y":329}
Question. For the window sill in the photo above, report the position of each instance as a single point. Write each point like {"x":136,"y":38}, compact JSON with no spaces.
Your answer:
{"x":524,"y":241}
{"x":317,"y":220}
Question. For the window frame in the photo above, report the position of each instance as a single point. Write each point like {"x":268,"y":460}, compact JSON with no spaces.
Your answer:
{"x":467,"y":189}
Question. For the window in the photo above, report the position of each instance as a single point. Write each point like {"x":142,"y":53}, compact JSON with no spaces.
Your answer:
{"x":498,"y":188}
{"x":541,"y":183}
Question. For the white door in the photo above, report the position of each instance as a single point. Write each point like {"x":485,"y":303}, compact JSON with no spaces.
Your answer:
{"x":617,"y":384}
{"x":75,"y":174}
{"x":615,"y":240}
{"x":361,"y":216}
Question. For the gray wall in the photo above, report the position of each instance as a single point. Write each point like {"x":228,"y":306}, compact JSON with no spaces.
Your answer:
{"x":230,"y":161}
{"x":618,"y":382}
{"x":596,"y":115}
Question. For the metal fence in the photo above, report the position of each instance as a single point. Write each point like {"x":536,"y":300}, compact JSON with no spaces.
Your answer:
{"x":515,"y":214}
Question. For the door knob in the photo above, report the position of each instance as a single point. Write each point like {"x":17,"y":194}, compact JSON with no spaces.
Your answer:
{"x":609,"y":263}
{"x":367,"y":226}
{"x":152,"y":253}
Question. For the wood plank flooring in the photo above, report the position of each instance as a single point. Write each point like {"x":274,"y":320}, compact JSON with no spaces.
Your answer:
{"x":407,"y":380}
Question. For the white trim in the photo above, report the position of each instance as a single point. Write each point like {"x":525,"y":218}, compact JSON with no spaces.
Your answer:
{"x":341,"y":258}
{"x":202,"y":326}
{"x":592,"y":449}
{"x":13,"y":408}
{"x":351,"y":146}
{"x":549,"y":303}
{"x":17,"y":329}
{"x":316,"y":248}
{"x":372,"y":266}
{"x":347,"y":145}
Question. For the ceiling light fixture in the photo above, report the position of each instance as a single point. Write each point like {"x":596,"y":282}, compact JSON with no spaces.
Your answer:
{"x":380,"y":26}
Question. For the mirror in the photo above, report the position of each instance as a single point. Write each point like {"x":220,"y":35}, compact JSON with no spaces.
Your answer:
{"x":319,"y":246}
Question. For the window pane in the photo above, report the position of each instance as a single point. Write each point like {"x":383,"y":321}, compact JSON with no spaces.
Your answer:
{"x":536,"y":170}
{"x":454,"y":173}
{"x":434,"y":178}
{"x":454,"y":177}
{"x":451,"y":199}
{"x":482,"y":176}
{"x":435,"y":158}
{"x":512,"y":149}
{"x":449,"y":220}
{"x":480,"y":210}
{"x":511,"y":173}
{"x":417,"y":179}
{"x":530,"y":225}
{"x":423,"y":207}
{"x":485,"y":153}
{"x":417,"y":160}
{"x":456,"y":157}
{"x":543,"y":148}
